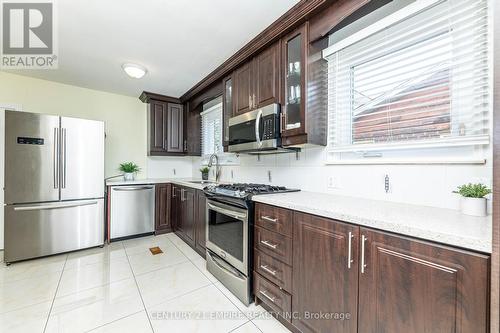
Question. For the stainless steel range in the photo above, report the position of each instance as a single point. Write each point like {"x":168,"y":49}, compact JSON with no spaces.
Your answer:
{"x":229,"y":234}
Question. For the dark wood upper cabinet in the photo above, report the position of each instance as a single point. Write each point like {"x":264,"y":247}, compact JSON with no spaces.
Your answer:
{"x":325,"y":274}
{"x":156,"y":124}
{"x":166,"y":123}
{"x":414,"y":286}
{"x":267,"y":77}
{"x":175,"y":128}
{"x":244,"y":89}
{"x":163,"y":208}
{"x":227,"y":108}
{"x":257,"y":83}
{"x":165,"y":128}
{"x":294,"y":52}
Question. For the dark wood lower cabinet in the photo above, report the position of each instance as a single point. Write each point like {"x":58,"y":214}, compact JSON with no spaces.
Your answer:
{"x":351,"y":279}
{"x":413,"y":287}
{"x":175,"y":215}
{"x":163,"y":208}
{"x":325,"y":274}
{"x":189,"y":216}
{"x":200,"y":223}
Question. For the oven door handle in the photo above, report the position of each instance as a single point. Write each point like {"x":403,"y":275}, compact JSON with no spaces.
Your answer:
{"x":257,"y":129}
{"x":223,"y":265}
{"x":227,"y":212}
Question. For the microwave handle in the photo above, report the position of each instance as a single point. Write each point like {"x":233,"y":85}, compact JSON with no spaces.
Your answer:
{"x":257,"y":128}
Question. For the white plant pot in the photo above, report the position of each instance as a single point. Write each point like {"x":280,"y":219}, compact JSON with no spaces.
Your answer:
{"x":129,"y":176}
{"x":473,"y":206}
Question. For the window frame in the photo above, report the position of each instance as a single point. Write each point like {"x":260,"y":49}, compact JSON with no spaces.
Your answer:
{"x":373,"y":153}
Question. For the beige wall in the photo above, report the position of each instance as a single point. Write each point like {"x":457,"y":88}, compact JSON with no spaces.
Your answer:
{"x":125,"y":116}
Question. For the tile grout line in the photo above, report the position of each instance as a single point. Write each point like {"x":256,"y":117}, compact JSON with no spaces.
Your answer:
{"x":214,"y":284}
{"x":139,"y":290}
{"x":258,"y":329}
{"x":114,"y":321}
{"x":55,"y":294}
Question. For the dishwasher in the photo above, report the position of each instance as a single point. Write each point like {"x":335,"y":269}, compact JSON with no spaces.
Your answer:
{"x":132,"y":211}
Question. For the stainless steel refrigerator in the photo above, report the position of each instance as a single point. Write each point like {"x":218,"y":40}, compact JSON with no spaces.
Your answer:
{"x":54,"y":184}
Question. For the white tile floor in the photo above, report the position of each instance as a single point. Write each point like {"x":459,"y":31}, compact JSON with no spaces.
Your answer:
{"x":123,"y":288}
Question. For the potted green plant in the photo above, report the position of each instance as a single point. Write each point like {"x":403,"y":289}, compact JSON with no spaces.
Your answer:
{"x":473,"y":201}
{"x":204,"y":173}
{"x":129,"y":170}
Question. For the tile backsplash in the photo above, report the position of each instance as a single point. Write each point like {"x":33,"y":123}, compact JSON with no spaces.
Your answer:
{"x":429,"y":185}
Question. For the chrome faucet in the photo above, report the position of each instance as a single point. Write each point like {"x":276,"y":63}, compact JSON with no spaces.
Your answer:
{"x":217,"y":166}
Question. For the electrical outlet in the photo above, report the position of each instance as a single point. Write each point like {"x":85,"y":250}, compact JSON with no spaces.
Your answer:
{"x":387,"y":184}
{"x":331,"y":182}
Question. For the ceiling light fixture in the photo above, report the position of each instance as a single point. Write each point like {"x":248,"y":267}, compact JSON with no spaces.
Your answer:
{"x":134,"y":71}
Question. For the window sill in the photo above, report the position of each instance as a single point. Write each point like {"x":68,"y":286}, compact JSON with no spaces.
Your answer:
{"x":405,"y":161}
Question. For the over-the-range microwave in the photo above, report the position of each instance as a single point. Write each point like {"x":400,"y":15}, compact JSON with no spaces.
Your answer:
{"x":255,"y":131}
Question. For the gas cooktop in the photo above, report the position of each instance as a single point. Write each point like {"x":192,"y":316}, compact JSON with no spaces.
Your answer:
{"x":245,"y":190}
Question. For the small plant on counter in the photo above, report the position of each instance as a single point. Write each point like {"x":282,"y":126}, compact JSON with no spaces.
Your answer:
{"x":473,"y":190}
{"x":473,"y":198}
{"x":129,"y":170}
{"x":204,"y":173}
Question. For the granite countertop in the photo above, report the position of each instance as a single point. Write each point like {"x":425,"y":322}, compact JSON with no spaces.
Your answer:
{"x":179,"y":181}
{"x":445,"y":226}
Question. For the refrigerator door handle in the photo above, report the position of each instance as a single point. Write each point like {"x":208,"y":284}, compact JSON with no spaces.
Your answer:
{"x":55,"y":206}
{"x":63,"y":148}
{"x":56,"y":158}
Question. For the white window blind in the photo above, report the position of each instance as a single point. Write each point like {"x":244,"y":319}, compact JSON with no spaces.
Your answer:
{"x":211,"y":127}
{"x":419,"y":78}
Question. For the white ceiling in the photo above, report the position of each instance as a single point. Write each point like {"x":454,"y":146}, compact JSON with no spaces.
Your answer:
{"x":178,"y":41}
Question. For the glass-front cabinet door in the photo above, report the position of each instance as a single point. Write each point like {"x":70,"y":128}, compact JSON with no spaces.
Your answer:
{"x":227,"y":107}
{"x":294,"y":53}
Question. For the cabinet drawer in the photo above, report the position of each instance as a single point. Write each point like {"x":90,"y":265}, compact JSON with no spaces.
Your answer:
{"x":274,"y":219}
{"x":269,"y":293}
{"x":274,"y":245}
{"x":273,"y":270}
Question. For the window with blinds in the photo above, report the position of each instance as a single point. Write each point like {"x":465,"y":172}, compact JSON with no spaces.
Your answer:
{"x":418,"y":78}
{"x":211,"y":127}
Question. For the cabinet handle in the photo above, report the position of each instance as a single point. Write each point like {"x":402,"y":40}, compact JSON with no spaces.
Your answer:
{"x":349,"y":250}
{"x":250,"y":102}
{"x":266,"y":243}
{"x":363,"y":265}
{"x":282,"y":122}
{"x":254,"y":99}
{"x":266,"y":268}
{"x":182,"y":195}
{"x":264,"y":293}
{"x":269,"y":219}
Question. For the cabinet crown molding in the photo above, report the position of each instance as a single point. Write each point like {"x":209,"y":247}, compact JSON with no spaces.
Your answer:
{"x":146,"y":96}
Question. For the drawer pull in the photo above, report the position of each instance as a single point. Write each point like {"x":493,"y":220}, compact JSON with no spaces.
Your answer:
{"x":269,"y":219}
{"x":267,"y":296}
{"x":266,"y":268}
{"x":266,"y":243}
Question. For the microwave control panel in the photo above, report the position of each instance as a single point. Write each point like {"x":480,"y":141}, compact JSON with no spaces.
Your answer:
{"x":269,"y":125}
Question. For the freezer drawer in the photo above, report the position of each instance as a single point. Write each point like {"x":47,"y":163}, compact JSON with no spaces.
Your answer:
{"x":132,"y":210}
{"x":43,"y":229}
